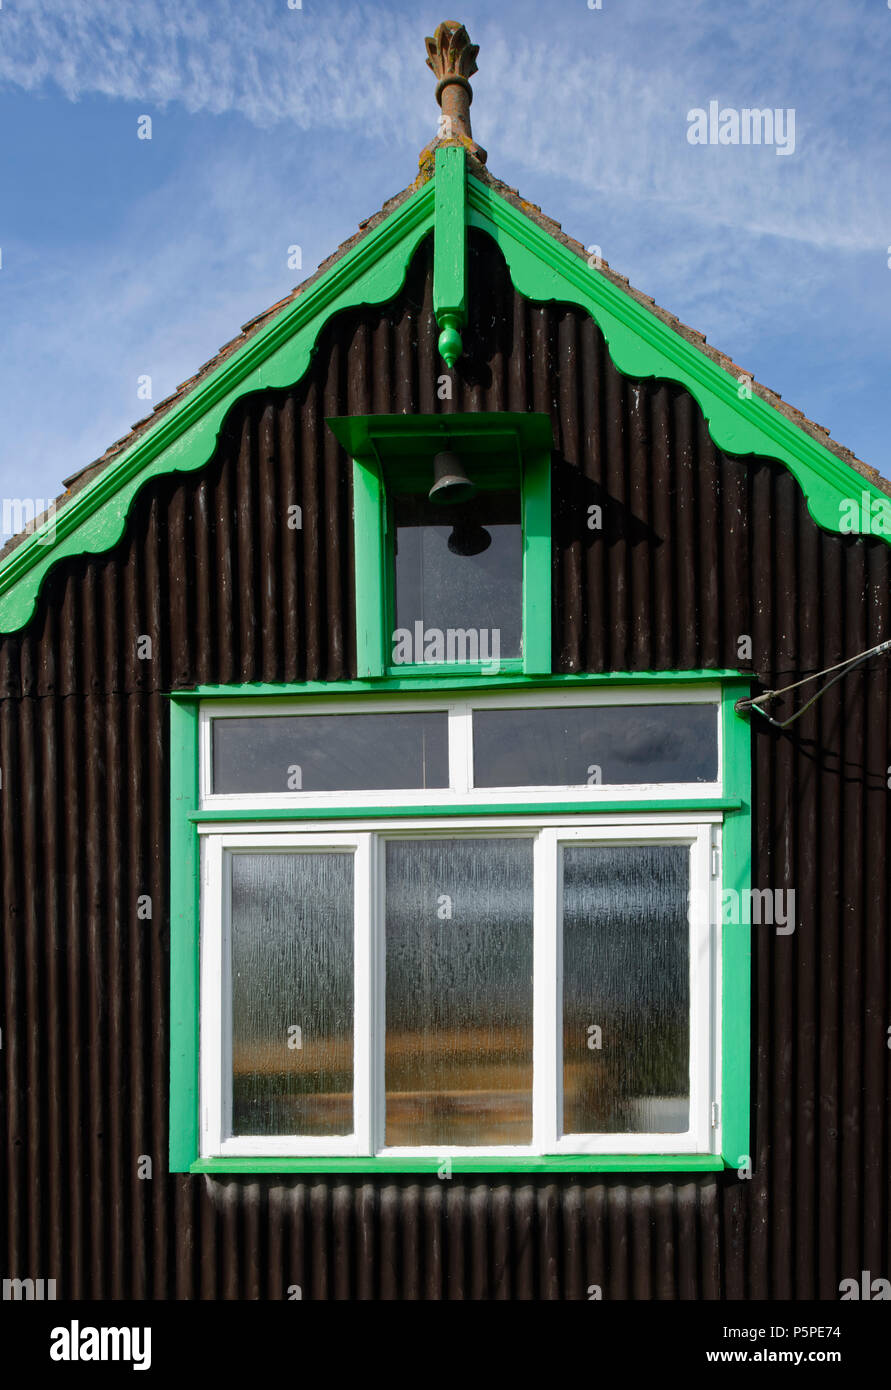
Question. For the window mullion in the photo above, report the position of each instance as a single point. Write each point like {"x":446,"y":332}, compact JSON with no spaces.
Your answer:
{"x":460,"y":747}
{"x":545,"y":1076}
{"x":215,"y":994}
{"x":364,"y":957}
{"x":376,"y":1039}
{"x":701,"y":1041}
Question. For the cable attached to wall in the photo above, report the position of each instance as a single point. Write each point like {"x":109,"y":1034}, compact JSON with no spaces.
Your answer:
{"x":843,"y":668}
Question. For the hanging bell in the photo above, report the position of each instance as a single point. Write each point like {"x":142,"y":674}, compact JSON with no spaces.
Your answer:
{"x":450,"y":482}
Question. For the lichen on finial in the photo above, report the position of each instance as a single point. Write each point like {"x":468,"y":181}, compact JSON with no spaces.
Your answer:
{"x":451,"y":58}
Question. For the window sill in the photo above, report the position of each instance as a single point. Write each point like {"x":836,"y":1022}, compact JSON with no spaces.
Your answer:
{"x":554,"y":1163}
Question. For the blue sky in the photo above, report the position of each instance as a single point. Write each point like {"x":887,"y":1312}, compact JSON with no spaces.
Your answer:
{"x":272,"y":126}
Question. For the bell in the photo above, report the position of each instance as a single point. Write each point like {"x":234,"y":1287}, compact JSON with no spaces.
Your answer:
{"x":468,"y":538}
{"x":450,"y":483}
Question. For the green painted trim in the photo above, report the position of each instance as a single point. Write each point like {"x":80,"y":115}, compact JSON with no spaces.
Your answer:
{"x":537,"y":563}
{"x":404,"y":443}
{"x":450,"y":250}
{"x":548,"y":808}
{"x":541,"y":268}
{"x":736,"y":938}
{"x":368,"y":551}
{"x":450,"y":680}
{"x":185,"y":917}
{"x":553,"y":1163}
{"x":375,"y":438}
{"x":509,"y":666}
{"x":641,"y":345}
{"x":184,"y":439}
{"x":184,"y":937}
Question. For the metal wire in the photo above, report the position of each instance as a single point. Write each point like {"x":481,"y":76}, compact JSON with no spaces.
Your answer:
{"x":842,"y":667}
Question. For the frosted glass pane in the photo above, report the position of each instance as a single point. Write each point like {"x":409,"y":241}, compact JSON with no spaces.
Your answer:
{"x":626,"y":973}
{"x":459,"y":991}
{"x":623,"y":744}
{"x":441,"y":586}
{"x":330,"y":752}
{"x":292,"y":968}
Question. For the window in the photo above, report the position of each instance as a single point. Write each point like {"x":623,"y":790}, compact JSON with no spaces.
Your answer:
{"x":414,"y":949}
{"x":457,"y":576}
{"x":532,"y":989}
{"x":452,"y":542}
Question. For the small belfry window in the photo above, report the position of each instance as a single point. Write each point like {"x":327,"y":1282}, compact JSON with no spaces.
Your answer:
{"x":452,"y":542}
{"x":414,"y":947}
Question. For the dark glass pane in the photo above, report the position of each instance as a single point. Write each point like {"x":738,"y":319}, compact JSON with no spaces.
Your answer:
{"x":330,"y":752}
{"x":594,"y":744}
{"x":441,"y":589}
{"x":292,"y":969}
{"x":459,"y":991}
{"x":626,"y":973}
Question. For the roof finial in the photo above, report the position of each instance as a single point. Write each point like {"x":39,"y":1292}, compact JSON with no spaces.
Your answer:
{"x":452,"y":58}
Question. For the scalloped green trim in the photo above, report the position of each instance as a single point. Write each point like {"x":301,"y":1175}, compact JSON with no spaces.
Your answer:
{"x":373,"y":272}
{"x":640,"y":345}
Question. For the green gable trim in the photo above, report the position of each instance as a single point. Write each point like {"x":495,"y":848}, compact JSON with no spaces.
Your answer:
{"x":640,"y":345}
{"x":373,"y":272}
{"x":450,"y":251}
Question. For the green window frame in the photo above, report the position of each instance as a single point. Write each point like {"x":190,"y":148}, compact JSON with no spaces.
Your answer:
{"x":378,"y":443}
{"x":733,"y":802}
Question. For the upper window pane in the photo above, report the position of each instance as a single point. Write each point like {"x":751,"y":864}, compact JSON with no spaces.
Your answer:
{"x":458,"y":579}
{"x":330,"y":752}
{"x":593,"y":744}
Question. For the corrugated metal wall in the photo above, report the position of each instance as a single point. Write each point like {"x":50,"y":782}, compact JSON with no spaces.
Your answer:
{"x":697,"y":549}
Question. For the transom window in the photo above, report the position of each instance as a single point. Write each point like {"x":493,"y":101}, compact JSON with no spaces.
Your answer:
{"x":528,"y":748}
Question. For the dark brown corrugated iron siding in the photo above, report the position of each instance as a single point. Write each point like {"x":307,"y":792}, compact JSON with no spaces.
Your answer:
{"x":697,"y":549}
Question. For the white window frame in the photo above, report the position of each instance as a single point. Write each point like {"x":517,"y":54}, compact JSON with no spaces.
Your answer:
{"x":700,"y":830}
{"x":459,"y":708}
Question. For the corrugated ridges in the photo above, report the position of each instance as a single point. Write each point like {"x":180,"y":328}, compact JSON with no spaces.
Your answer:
{"x":697,"y":549}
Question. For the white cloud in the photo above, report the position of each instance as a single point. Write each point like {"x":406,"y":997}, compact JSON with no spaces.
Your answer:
{"x":597,"y":99}
{"x":587,"y":113}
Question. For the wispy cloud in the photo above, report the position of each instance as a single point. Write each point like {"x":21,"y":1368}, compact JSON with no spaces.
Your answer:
{"x":265,"y":61}
{"x":598,"y":99}
{"x":321,"y":112}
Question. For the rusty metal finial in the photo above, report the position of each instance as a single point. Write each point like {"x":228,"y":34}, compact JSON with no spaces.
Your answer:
{"x":452,"y":59}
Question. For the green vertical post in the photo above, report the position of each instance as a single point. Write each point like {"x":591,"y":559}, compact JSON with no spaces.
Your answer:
{"x":184,"y":936}
{"x":450,"y":250}
{"x":736,"y":944}
{"x":370,"y":553}
{"x":537,"y":564}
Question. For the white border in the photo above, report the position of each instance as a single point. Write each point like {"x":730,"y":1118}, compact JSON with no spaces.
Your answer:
{"x":700,"y":831}
{"x":460,"y":751}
